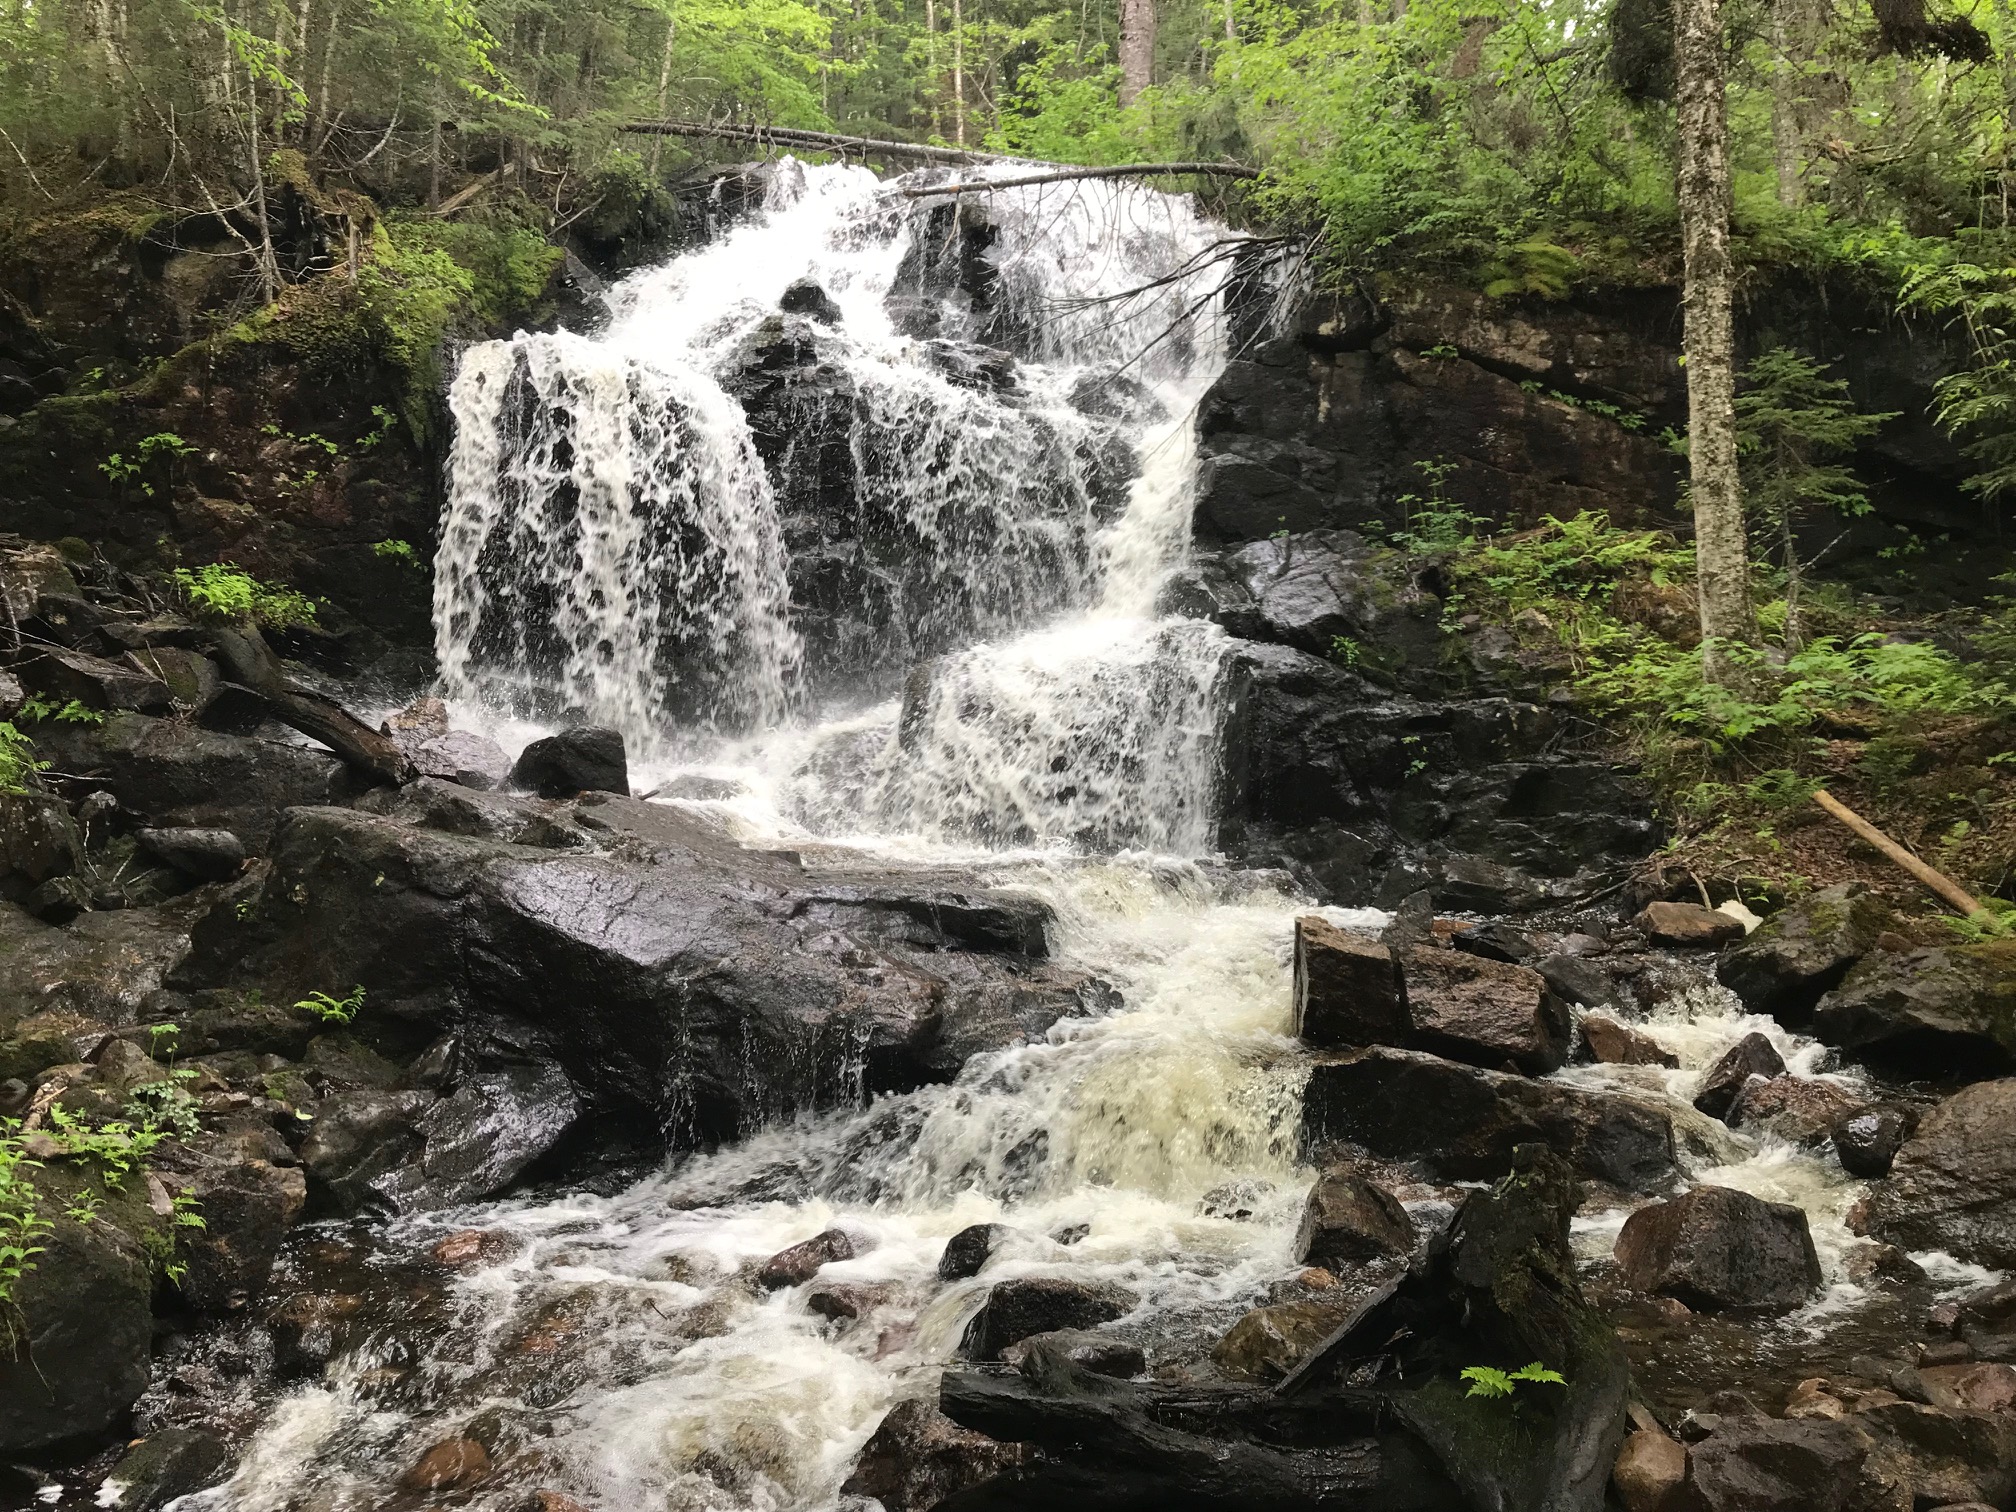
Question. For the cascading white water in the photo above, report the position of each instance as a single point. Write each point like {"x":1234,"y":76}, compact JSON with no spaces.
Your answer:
{"x":616,"y":545}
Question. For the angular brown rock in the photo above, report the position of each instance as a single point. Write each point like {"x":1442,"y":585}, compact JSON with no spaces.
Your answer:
{"x":1716,"y":1248}
{"x":1347,"y":988}
{"x":1483,"y":1011}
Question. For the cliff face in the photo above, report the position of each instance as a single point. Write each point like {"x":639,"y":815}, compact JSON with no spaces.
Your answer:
{"x":1542,"y":407}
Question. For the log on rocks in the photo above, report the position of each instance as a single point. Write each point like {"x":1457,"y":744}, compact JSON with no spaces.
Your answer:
{"x":251,"y":664}
{"x":1065,"y":175}
{"x":814,"y":141}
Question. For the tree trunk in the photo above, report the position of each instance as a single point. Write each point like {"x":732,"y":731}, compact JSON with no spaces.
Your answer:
{"x":1716,"y":494}
{"x":1137,"y":48}
{"x":664,"y":88}
{"x":958,"y":73}
{"x":1785,"y":143}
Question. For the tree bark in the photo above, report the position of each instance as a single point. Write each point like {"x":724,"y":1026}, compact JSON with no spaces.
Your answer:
{"x":664,"y":86}
{"x":1722,"y":550}
{"x":958,"y":73}
{"x":1137,"y":48}
{"x":1785,"y":145}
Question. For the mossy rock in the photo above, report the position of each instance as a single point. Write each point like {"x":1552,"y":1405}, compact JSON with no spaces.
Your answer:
{"x":1804,"y":950}
{"x":1947,"y":1011}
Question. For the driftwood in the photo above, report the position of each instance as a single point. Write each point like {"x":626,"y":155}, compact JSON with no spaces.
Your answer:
{"x":1930,"y":877}
{"x":250,"y":664}
{"x":814,"y":141}
{"x":1125,"y":170}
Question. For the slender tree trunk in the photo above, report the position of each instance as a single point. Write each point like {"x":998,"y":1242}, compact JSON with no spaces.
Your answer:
{"x":1722,"y":550}
{"x":1137,"y":48}
{"x":664,"y":86}
{"x":1231,"y":24}
{"x":931,"y":66}
{"x":958,"y":73}
{"x":320,"y":115}
{"x":434,"y":157}
{"x":1785,"y":146}
{"x":2007,"y":60}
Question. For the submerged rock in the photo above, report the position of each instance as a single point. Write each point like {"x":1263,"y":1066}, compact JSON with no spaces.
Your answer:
{"x":805,"y":1259}
{"x":1610,"y":1043}
{"x":1101,"y":1353}
{"x":165,"y":1465}
{"x":968,"y":1251}
{"x":1717,"y":1248}
{"x":1801,"y":1109}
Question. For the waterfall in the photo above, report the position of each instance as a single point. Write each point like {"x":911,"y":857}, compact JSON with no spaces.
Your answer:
{"x":857,"y":443}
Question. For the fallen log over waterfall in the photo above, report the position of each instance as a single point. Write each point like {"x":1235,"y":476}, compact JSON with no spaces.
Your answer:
{"x":828,"y":141}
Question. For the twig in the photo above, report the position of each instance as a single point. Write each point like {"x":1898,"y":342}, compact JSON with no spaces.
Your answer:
{"x":818,"y":141}
{"x":1934,"y":880}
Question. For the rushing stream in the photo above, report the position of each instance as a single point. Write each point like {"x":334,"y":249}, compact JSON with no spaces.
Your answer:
{"x":615,"y":550}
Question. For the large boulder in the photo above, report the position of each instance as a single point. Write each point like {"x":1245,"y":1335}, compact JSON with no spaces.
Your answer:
{"x":1803,"y":951}
{"x":1717,"y":1248}
{"x":709,"y":989}
{"x":1952,"y":1186}
{"x":918,"y":1458}
{"x":1312,"y":589}
{"x":1347,"y":988}
{"x":1762,"y":1465}
{"x":1464,"y":1123}
{"x":1950,"y":1010}
{"x":76,"y":1341}
{"x":1610,"y":1043}
{"x":585,"y":759}
{"x":1867,"y":1139}
{"x":1484,"y":1011}
{"x":1029,"y":1305}
{"x":1802,"y":1110}
{"x":65,"y":676}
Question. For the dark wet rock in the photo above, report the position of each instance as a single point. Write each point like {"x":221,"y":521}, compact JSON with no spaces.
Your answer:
{"x":683,"y":983}
{"x":919,"y":1459}
{"x":1101,"y":1353}
{"x":805,"y":297}
{"x":585,"y":759}
{"x":1496,"y":940}
{"x":1499,"y":1285}
{"x":1464,"y":1123}
{"x":174,"y":775}
{"x":1950,"y":1009}
{"x":209,"y":855}
{"x":1484,"y":1011}
{"x":247,"y":1208}
{"x":1237,"y":1200}
{"x":461,"y":757}
{"x":168,"y":1463}
{"x":968,"y":1251}
{"x":1941,"y":1456}
{"x":100,"y":966}
{"x":421,"y":720}
{"x":1723,"y":1082}
{"x":1868,"y":1139}
{"x":360,"y":1139}
{"x":1969,"y":1387}
{"x":38,"y":840}
{"x":802,"y":1261}
{"x":1610,"y":1043}
{"x":63,"y":676}
{"x":1348,"y":1221}
{"x":1763,"y":1465}
{"x":1347,"y":988}
{"x":981,"y":1012}
{"x":482,"y":1137}
{"x":1717,"y":1248}
{"x":1803,"y":1110}
{"x":1649,"y":1470}
{"x":1269,"y":1342}
{"x":1803,"y":951}
{"x":1687,"y":925}
{"x":1015,"y":1310}
{"x":1309,"y":590}
{"x":1580,"y":981}
{"x":1952,"y":1186}
{"x":82,"y":1320}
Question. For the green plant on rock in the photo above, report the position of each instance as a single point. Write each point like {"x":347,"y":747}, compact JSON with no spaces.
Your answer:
{"x":396,"y":551}
{"x":1435,"y":523}
{"x":222,"y":591}
{"x":1499,"y":1384}
{"x":333,"y":1010}
{"x":22,"y":1225}
{"x":17,"y":764}
{"x":38,"y":708}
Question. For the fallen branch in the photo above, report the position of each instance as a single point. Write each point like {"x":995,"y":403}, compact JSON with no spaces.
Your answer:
{"x":1934,"y":880}
{"x":251,"y":664}
{"x":468,"y":192}
{"x":816,"y":141}
{"x":1125,"y":170}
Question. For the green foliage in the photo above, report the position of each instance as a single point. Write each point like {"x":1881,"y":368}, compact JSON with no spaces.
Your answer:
{"x":1792,"y":421}
{"x":38,"y":708}
{"x":396,"y":551}
{"x":22,"y":1225}
{"x":1977,"y":405}
{"x":1994,"y":920}
{"x":221,"y":591}
{"x":17,"y":764}
{"x":1435,"y":523}
{"x":332,"y":1010}
{"x":1497,"y":1384}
